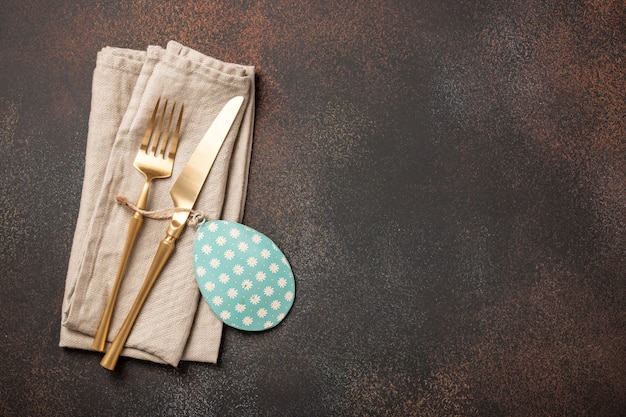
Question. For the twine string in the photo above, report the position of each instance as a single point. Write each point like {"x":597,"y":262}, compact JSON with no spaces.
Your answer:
{"x":196,"y":216}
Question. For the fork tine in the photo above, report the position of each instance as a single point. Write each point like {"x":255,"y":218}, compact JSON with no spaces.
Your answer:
{"x":148,"y":133}
{"x":174,"y":141}
{"x":157,"y":135}
{"x":167,"y":132}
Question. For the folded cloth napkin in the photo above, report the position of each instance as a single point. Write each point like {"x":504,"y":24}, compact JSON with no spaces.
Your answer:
{"x":175,"y":323}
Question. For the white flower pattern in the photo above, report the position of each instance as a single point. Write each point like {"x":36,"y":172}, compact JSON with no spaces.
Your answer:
{"x":228,"y":276}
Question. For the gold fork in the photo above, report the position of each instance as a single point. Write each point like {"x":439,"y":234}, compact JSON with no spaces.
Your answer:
{"x":153,"y":162}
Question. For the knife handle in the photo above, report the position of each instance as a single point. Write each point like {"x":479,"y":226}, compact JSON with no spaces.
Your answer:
{"x":165,"y":249}
{"x":100,"y":337}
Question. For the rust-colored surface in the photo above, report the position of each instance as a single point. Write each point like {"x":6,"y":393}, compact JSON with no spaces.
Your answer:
{"x":447,"y":179}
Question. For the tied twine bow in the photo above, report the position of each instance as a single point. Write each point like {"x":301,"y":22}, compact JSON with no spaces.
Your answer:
{"x":162,"y":214}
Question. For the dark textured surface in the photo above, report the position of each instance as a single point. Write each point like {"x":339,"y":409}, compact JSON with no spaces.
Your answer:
{"x":447,"y":179}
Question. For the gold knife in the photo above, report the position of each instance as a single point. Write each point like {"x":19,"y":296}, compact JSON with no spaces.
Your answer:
{"x":184,"y":193}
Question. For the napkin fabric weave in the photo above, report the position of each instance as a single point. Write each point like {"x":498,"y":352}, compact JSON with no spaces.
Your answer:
{"x":175,"y":323}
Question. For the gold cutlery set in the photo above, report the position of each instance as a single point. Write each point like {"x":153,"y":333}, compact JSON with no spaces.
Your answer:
{"x":155,"y":160}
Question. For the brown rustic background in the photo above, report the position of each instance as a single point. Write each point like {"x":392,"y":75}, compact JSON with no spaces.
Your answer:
{"x":447,"y":178}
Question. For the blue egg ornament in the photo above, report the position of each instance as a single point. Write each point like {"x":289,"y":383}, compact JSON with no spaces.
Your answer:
{"x":243,"y":276}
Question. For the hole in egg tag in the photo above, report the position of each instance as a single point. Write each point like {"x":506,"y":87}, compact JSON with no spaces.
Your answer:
{"x":243,"y":276}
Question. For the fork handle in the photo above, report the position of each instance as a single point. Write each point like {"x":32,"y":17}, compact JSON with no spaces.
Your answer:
{"x":102,"y":333}
{"x":165,"y":249}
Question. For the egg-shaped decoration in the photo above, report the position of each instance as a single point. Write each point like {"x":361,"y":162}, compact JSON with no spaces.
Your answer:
{"x":243,"y":276}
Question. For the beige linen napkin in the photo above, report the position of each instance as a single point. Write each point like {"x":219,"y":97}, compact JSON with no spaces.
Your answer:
{"x":175,"y":323}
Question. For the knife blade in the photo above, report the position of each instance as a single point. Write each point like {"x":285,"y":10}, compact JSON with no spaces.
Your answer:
{"x":185,"y":190}
{"x":184,"y":193}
